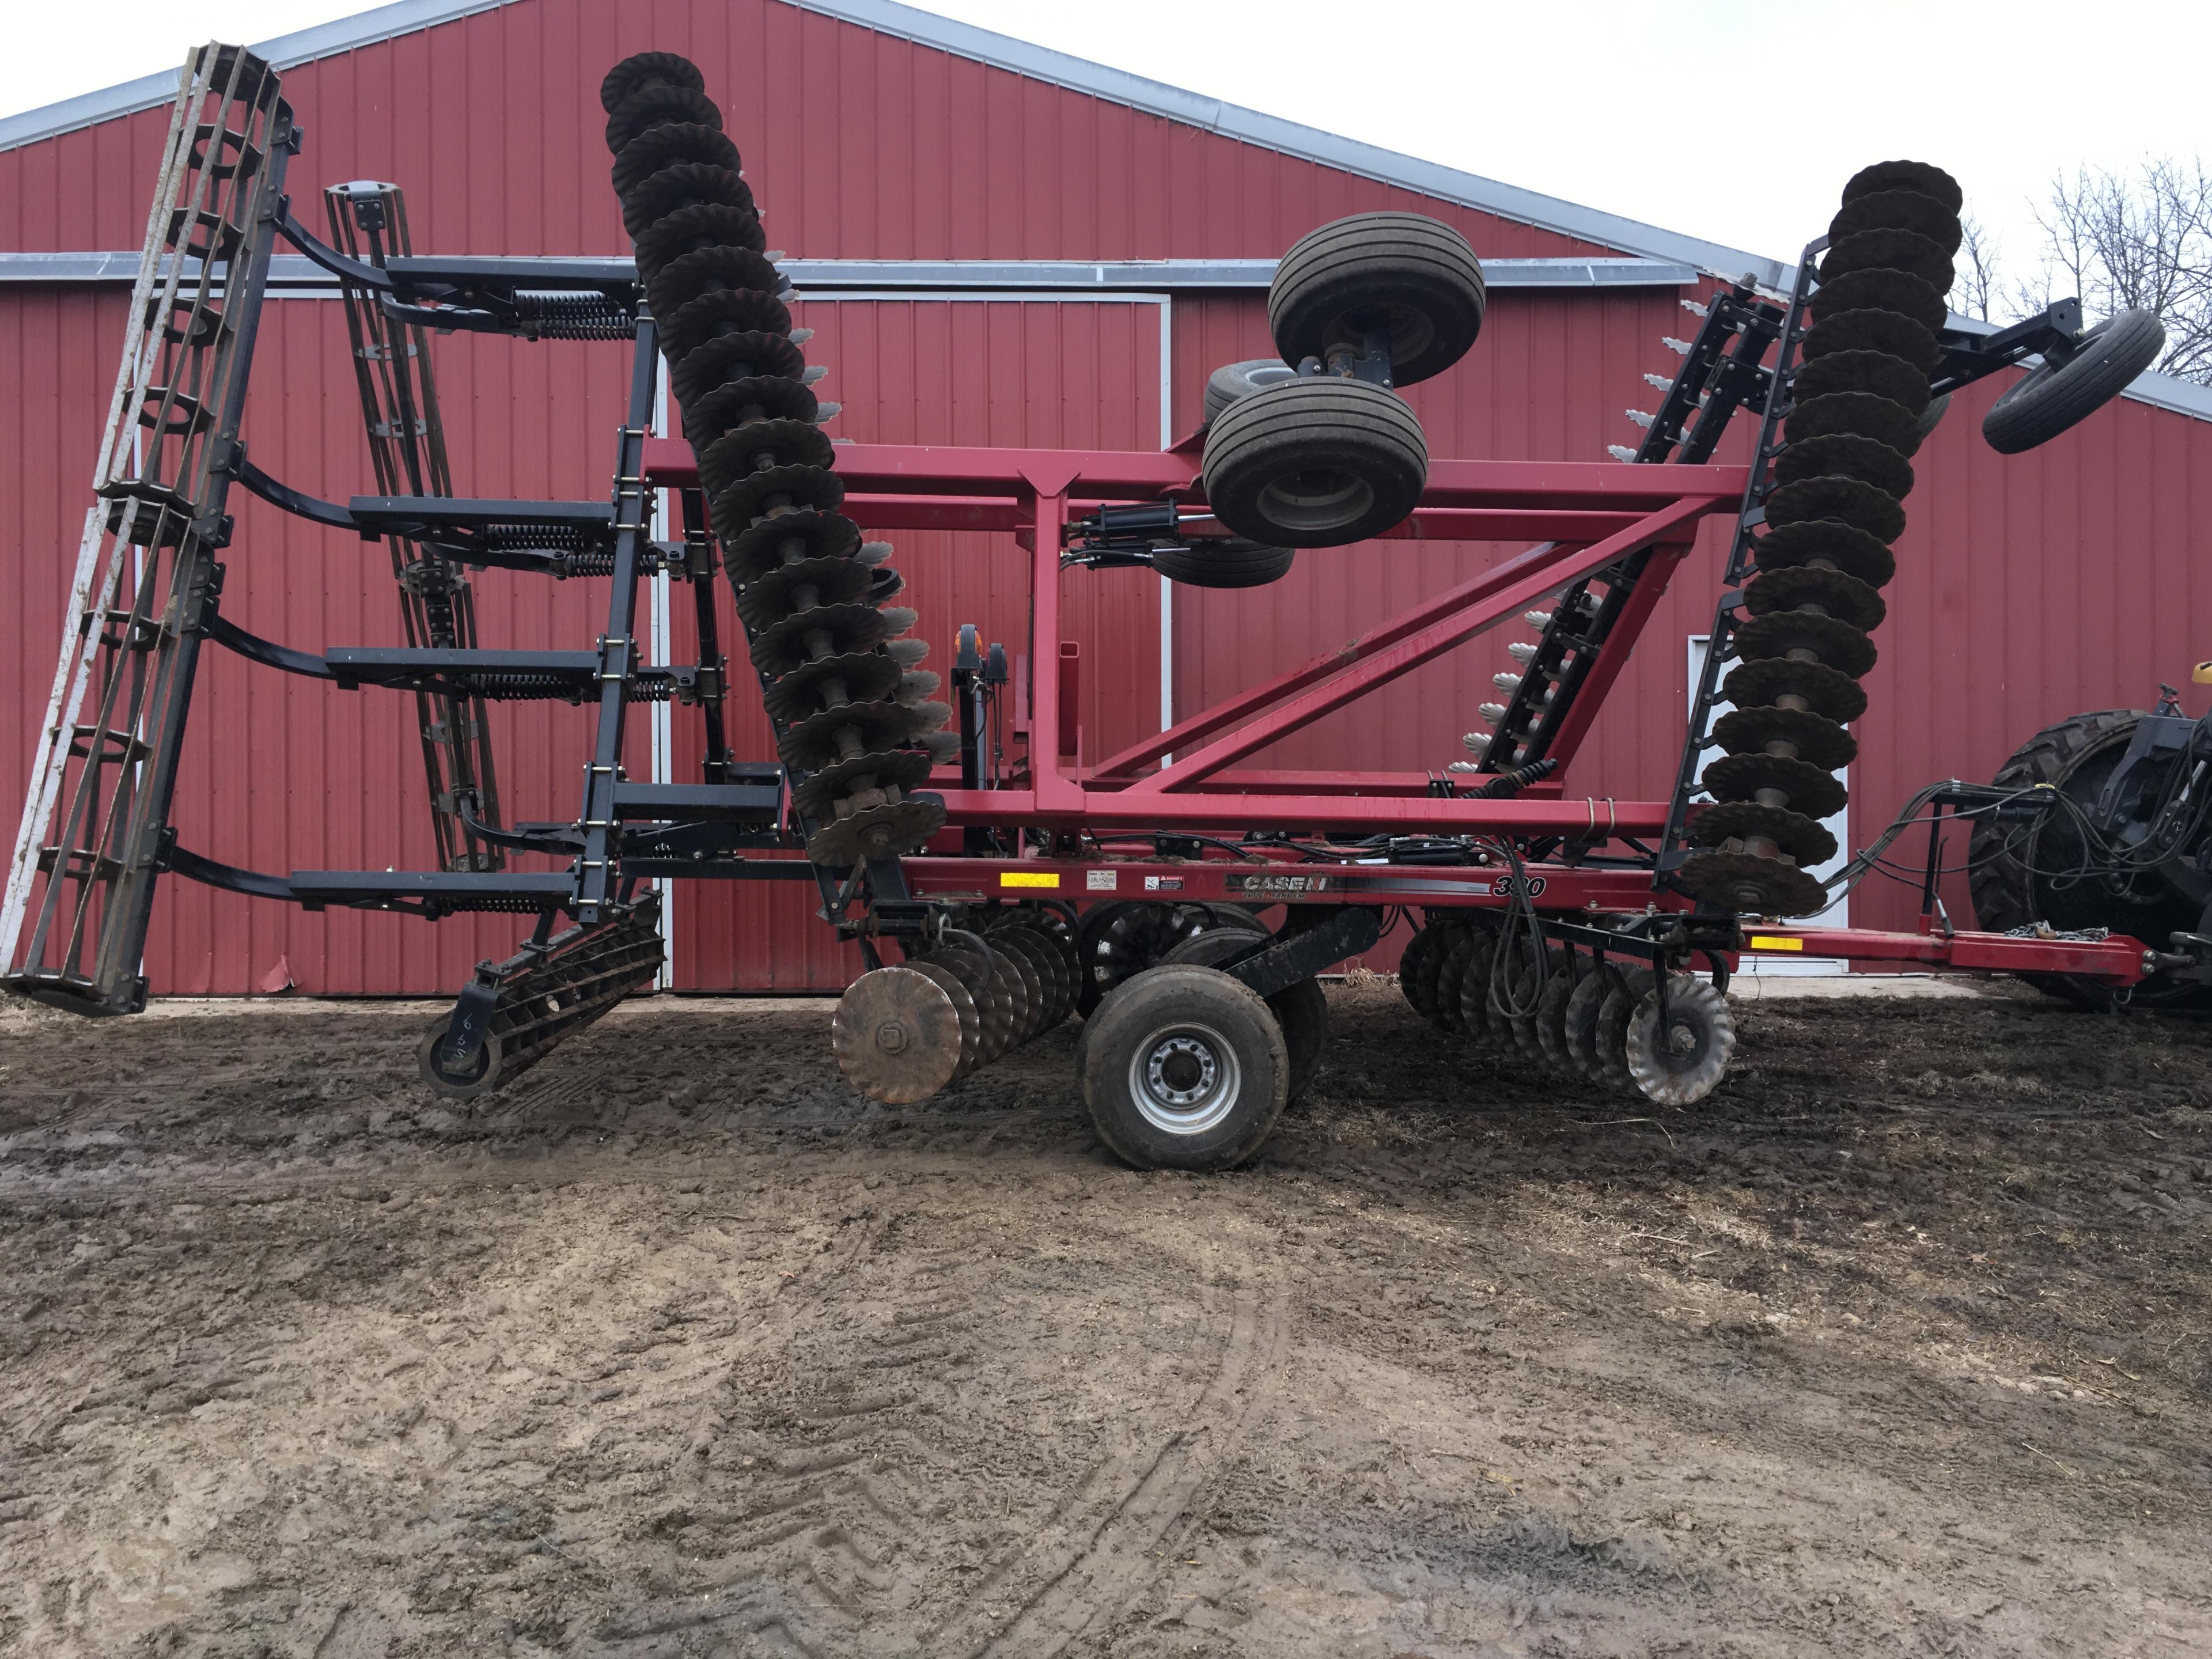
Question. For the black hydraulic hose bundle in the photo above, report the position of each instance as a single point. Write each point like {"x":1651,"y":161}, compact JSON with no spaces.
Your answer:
{"x":852,"y":711}
{"x":1859,"y":407}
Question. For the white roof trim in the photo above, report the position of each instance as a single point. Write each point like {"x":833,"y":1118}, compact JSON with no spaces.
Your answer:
{"x":1020,"y":57}
{"x":285,"y":51}
{"x":294,"y":271}
{"x":1308,"y":143}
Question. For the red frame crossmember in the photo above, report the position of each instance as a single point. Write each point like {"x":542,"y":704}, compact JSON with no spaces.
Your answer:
{"x":1587,"y":515}
{"x":1596,"y":515}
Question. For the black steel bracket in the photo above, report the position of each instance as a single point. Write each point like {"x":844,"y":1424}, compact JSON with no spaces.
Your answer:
{"x":2053,"y":334}
{"x":1334,"y":933}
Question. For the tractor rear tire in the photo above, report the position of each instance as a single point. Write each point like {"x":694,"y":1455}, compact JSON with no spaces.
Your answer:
{"x":2057,"y":395}
{"x":2008,"y":876}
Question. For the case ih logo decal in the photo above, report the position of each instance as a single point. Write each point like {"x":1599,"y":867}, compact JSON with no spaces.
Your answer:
{"x":1278,"y":886}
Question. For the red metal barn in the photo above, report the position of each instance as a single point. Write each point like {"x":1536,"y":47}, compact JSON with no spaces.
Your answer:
{"x":999,"y":244}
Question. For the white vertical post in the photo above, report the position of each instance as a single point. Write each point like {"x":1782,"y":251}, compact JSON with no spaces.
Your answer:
{"x":663,"y":723}
{"x":1167,"y":587}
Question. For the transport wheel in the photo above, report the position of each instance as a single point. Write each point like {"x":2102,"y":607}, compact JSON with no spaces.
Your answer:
{"x":1579,"y":1027}
{"x":1230,"y":562}
{"x":1681,"y":1063}
{"x":1302,"y":1010}
{"x":2021,"y":870}
{"x":2067,"y":389}
{"x":1232,"y":382}
{"x":1185,"y":1068}
{"x":1932,"y":417}
{"x":1612,"y":1016}
{"x":1407,"y":277}
{"x":479,"y":1077}
{"x":1315,"y":462}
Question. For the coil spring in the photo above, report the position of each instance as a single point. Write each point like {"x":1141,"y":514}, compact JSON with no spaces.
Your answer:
{"x":446,"y":904}
{"x":536,"y":538}
{"x":524,"y":688}
{"x":576,"y":316}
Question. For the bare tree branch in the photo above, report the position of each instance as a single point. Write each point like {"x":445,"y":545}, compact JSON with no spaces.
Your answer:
{"x":2141,"y":240}
{"x":1975,"y":284}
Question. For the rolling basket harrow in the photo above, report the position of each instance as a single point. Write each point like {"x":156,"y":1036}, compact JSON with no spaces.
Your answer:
{"x":992,"y":901}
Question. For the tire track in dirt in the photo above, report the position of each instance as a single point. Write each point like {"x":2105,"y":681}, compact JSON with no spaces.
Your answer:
{"x":795,"y":1513}
{"x":1100,"y":1552}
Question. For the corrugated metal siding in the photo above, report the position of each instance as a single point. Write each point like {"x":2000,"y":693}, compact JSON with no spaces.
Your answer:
{"x":2062,"y":579}
{"x":859,"y":144}
{"x":308,"y":776}
{"x":1066,"y":374}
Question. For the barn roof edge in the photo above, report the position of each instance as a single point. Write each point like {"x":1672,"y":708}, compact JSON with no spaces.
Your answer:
{"x":1307,"y":143}
{"x":284,"y":52}
{"x":1021,"y":57}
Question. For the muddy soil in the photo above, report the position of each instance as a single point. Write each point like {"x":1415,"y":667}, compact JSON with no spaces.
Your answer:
{"x":1900,"y":1344}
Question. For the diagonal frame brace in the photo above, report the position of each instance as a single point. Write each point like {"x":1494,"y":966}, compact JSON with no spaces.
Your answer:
{"x":1495,"y":596}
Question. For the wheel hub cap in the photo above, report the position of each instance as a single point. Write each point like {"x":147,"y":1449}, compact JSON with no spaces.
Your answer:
{"x":1185,"y":1081}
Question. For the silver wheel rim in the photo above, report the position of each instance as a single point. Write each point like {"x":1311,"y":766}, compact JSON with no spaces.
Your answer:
{"x":1185,"y":1080}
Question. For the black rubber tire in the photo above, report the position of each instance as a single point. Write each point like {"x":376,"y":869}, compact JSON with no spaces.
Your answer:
{"x":1150,"y":1009}
{"x":1413,"y":276}
{"x":1932,"y":417}
{"x":1302,"y":1010}
{"x":1230,"y":562}
{"x":1234,"y":382}
{"x":1316,"y":462}
{"x":2074,"y":756}
{"x":2053,"y":397}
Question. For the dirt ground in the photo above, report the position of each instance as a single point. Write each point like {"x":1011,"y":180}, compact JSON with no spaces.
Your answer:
{"x":1899,"y":1343}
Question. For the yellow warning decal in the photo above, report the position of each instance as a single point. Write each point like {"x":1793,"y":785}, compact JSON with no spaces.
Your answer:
{"x":1775,"y":942}
{"x":1028,"y":878}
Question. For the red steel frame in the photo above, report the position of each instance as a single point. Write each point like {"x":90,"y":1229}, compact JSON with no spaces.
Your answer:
{"x":1594,"y":514}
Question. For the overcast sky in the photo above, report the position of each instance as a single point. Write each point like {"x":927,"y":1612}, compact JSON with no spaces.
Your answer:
{"x":1733,"y":120}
